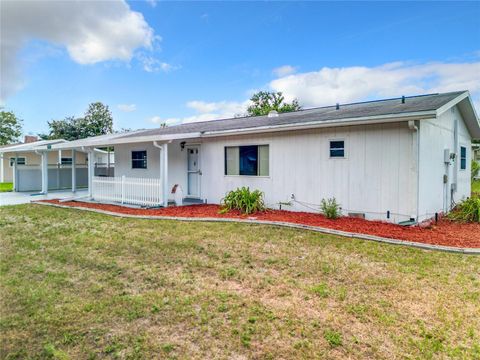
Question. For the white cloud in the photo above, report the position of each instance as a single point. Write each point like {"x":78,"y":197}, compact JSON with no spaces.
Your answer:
{"x":206,"y":111}
{"x":91,"y":32}
{"x":127,"y":107}
{"x":328,"y":86}
{"x":331,"y":85}
{"x":152,"y":3}
{"x":151,"y":64}
{"x":284,"y":70}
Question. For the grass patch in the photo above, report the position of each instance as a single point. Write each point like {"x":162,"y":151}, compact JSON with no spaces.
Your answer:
{"x":85,"y":285}
{"x":334,"y":338}
{"x":476,"y":187}
{"x":5,"y":187}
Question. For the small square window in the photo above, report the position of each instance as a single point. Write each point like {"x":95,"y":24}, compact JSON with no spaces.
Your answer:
{"x":139,"y":159}
{"x":337,"y":148}
{"x":463,"y":158}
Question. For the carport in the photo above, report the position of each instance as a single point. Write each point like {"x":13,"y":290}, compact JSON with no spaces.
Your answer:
{"x":37,"y":167}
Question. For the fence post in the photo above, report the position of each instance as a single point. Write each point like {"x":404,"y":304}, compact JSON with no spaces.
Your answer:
{"x":123,"y":189}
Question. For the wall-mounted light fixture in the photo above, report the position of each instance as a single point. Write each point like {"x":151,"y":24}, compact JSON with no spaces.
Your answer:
{"x":182,"y":145}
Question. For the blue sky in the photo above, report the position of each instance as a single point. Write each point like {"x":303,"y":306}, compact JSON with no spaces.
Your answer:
{"x":188,"y":61}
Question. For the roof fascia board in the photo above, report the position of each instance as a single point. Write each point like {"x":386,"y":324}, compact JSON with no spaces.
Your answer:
{"x":452,"y":102}
{"x":130,"y":140}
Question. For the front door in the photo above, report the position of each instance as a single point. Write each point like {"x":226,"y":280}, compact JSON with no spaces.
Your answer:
{"x":193,"y":171}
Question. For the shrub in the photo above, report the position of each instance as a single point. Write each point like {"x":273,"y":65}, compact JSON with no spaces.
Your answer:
{"x":468,"y":210}
{"x":330,"y":208}
{"x":475,"y":169}
{"x":243,"y":200}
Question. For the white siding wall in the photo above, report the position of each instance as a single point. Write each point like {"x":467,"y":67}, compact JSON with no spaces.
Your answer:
{"x":177,"y":163}
{"x":435,"y":136}
{"x":378,"y":173}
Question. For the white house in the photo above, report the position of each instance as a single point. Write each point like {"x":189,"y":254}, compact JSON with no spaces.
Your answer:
{"x":394,"y":159}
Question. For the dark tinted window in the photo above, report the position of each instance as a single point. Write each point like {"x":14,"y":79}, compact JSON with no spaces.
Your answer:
{"x":248,"y":160}
{"x":463,"y":157}
{"x":337,"y":148}
{"x":139,"y":159}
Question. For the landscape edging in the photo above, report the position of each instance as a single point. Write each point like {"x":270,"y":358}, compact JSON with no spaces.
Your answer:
{"x":469,"y":251}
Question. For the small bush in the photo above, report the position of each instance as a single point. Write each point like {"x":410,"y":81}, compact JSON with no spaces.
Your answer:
{"x":475,"y":169}
{"x":243,"y":200}
{"x":330,"y":208}
{"x":468,"y":210}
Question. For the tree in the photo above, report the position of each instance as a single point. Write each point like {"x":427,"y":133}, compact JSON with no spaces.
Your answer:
{"x":10,"y":127}
{"x":266,"y":101}
{"x":68,"y":129}
{"x":97,"y":120}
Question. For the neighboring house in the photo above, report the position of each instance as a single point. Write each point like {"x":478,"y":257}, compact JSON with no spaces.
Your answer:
{"x":395,"y":159}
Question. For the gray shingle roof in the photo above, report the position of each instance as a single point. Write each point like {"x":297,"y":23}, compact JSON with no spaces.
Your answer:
{"x":419,"y":103}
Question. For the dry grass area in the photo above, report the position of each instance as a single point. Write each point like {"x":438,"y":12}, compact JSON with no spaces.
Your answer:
{"x":84,"y":286}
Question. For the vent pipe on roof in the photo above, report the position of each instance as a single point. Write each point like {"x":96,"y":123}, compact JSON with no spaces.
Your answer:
{"x":272,"y":113}
{"x":337,"y":107}
{"x":403,"y":99}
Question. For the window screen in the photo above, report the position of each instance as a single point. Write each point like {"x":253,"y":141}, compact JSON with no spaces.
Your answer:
{"x":139,"y":159}
{"x":252,"y":160}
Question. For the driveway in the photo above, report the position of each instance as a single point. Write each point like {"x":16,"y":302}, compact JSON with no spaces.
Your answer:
{"x":15,"y":198}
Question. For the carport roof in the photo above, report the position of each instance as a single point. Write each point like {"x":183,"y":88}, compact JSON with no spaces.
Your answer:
{"x":33,"y":146}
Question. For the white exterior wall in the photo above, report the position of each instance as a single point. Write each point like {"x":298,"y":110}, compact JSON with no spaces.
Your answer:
{"x":177,"y":163}
{"x":378,"y":173}
{"x":435,"y":136}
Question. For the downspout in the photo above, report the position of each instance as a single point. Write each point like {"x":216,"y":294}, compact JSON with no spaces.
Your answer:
{"x":412,"y":126}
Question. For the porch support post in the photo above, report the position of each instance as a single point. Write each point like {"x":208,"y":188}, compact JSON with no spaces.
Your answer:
{"x":91,"y":170}
{"x":45,"y":172}
{"x":165,"y":174}
{"x":74,"y":171}
{"x":15,"y":173}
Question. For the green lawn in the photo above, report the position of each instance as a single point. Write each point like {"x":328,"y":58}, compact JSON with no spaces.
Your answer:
{"x":81,"y":285}
{"x":6,"y":187}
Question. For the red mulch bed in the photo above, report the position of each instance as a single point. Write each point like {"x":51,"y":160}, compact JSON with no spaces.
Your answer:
{"x":446,"y":232}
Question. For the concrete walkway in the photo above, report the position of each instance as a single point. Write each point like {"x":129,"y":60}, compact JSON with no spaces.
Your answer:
{"x":470,"y":251}
{"x":16,"y":198}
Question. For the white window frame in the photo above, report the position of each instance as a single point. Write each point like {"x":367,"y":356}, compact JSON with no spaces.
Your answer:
{"x":344,"y":149}
{"x":250,"y":144}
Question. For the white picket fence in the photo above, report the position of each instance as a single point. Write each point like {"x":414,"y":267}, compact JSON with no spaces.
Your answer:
{"x":126,"y":190}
